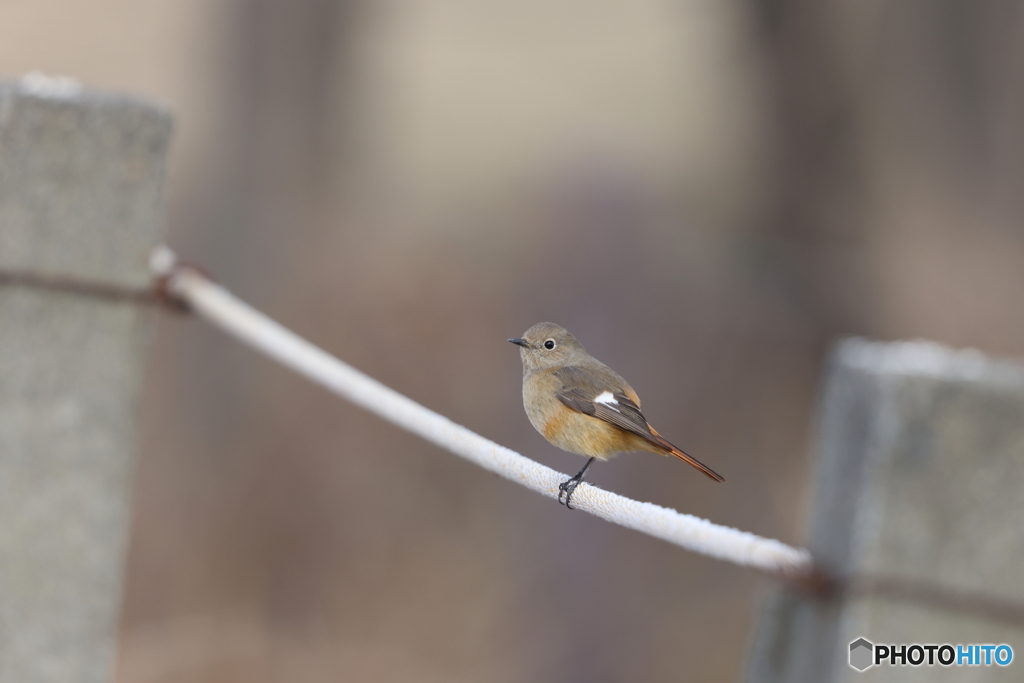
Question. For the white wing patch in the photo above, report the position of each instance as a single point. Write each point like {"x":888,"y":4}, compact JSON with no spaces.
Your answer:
{"x":609,"y":400}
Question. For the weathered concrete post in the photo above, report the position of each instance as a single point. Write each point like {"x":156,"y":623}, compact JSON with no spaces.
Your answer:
{"x":80,"y":181}
{"x":920,"y":477}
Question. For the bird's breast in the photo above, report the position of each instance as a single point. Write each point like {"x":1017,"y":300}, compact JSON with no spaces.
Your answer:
{"x":566,"y":428}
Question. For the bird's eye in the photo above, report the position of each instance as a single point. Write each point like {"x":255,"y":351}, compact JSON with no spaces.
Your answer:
{"x":549,"y":344}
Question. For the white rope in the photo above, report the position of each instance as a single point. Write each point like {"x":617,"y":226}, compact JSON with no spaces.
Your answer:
{"x":250,"y":326}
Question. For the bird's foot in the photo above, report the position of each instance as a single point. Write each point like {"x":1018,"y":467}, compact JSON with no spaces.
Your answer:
{"x":567,"y":488}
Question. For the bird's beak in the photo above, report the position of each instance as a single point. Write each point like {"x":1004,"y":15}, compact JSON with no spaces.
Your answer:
{"x":520,"y":342}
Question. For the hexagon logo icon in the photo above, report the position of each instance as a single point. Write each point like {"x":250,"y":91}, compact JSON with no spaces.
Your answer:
{"x":861,"y":654}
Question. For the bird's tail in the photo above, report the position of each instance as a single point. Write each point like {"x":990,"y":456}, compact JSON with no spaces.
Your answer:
{"x":659,"y":440}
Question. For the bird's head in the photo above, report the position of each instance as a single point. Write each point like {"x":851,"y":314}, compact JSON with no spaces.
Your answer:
{"x":547,"y":345}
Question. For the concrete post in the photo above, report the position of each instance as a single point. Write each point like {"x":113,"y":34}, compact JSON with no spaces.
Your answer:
{"x":80,"y":180}
{"x":920,"y":478}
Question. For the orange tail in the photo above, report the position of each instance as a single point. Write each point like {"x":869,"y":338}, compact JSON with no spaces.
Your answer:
{"x":660,"y":441}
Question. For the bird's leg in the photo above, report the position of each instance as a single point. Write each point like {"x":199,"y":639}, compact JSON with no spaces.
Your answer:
{"x":569,"y":485}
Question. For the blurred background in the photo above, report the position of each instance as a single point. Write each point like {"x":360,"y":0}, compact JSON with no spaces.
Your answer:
{"x":708,"y":194}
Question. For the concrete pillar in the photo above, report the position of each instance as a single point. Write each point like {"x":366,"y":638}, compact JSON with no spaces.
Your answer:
{"x":920,"y":479}
{"x":80,"y":181}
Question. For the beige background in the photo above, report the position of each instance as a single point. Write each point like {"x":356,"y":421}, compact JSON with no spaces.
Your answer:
{"x":707,"y":193}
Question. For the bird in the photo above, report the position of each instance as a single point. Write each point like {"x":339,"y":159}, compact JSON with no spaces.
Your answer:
{"x":581,"y":405}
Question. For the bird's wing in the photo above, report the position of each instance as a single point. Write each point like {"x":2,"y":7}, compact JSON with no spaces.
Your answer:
{"x":591,"y":393}
{"x":603,"y":394}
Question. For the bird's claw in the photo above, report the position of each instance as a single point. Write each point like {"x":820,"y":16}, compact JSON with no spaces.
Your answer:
{"x":568,"y":487}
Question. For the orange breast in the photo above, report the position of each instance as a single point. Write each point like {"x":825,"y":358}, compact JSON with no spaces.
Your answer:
{"x":578,"y":433}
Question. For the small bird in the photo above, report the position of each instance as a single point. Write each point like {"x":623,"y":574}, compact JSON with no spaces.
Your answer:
{"x":581,"y":405}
